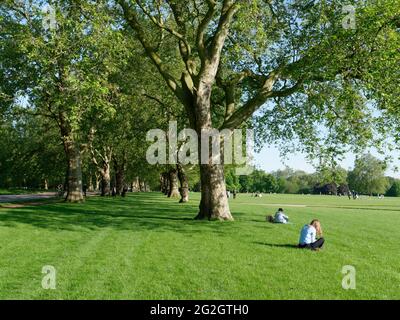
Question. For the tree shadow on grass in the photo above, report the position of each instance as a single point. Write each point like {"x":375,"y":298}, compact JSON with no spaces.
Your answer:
{"x":278,"y":245}
{"x":134,"y":213}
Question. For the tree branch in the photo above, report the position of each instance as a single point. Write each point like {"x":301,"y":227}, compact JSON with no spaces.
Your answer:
{"x":185,"y":53}
{"x":200,"y":37}
{"x":132,"y":20}
{"x":288,"y":91}
{"x":213,"y":54}
{"x":243,"y":113}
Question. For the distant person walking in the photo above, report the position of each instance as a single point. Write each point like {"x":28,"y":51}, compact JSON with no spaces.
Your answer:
{"x":311,"y":236}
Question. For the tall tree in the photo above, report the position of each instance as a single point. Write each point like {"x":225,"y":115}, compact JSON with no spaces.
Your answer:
{"x":331,"y":173}
{"x":31,"y":155}
{"x":368,"y":176}
{"x":297,"y":59}
{"x":394,"y":190}
{"x":68,"y":51}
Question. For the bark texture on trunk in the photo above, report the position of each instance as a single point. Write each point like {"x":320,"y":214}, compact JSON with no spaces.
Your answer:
{"x":98,"y":181}
{"x":120,"y":170}
{"x":90,"y":187}
{"x":165,"y":183}
{"x":162,"y":183}
{"x":74,"y":178}
{"x":105,"y":180}
{"x":142,"y":185}
{"x":119,"y":181}
{"x":184,"y":189}
{"x":136,"y":185}
{"x":103,"y":167}
{"x":214,"y":202}
{"x":173,"y":184}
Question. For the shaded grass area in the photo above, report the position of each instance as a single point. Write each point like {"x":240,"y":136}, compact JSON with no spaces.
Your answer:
{"x":15,"y":191}
{"x":146,"y":246}
{"x":29,"y":202}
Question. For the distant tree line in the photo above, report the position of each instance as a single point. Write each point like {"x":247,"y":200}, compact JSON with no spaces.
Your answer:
{"x":367,"y":177}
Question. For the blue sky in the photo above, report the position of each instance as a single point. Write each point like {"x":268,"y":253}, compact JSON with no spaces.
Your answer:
{"x":269,"y":160}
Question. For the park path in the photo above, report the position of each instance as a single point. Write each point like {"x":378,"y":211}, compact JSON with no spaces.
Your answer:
{"x":275,"y":204}
{"x":23,"y":200}
{"x":26,"y":197}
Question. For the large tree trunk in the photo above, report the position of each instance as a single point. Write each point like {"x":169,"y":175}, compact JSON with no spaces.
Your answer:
{"x":162,"y":183}
{"x":142,"y":187}
{"x":165,"y":183}
{"x":119,"y":181}
{"x":120,"y":169}
{"x":90,"y":187}
{"x":74,"y":178}
{"x":105,"y":179}
{"x":184,"y":189}
{"x":173,"y":184}
{"x":103,"y":168}
{"x":214,"y":202}
{"x":98,"y":181}
{"x":136,"y":185}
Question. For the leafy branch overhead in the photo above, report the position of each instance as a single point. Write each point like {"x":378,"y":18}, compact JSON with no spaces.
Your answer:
{"x":261,"y":51}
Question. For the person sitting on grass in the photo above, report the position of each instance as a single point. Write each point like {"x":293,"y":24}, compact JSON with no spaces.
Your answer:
{"x":309,"y":234}
{"x":279,"y":217}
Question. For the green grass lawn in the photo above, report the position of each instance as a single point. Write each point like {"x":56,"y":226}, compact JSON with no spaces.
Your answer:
{"x":148,"y":247}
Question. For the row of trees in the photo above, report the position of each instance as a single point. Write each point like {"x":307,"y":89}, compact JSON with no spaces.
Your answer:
{"x":170,"y":186}
{"x":77,"y":100}
{"x":84,"y":81}
{"x":367,"y":177}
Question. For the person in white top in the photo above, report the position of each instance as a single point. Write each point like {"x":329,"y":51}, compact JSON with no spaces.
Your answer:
{"x":280,"y":217}
{"x":308,"y":236}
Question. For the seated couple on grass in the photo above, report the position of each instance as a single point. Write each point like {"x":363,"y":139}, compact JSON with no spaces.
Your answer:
{"x":308,"y":235}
